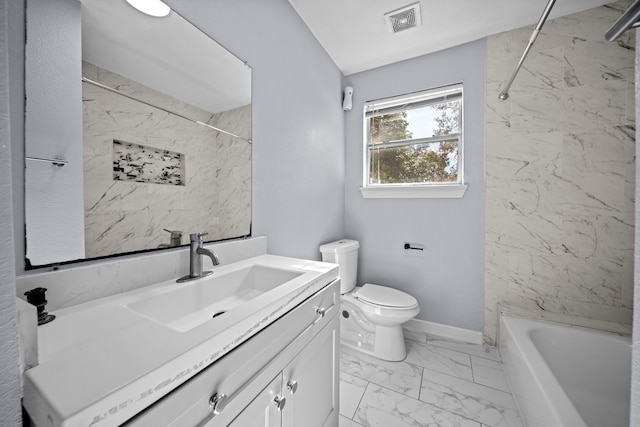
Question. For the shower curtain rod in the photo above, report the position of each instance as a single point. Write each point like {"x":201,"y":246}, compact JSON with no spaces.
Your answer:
{"x":629,"y":19}
{"x":116,"y":91}
{"x":505,"y":93}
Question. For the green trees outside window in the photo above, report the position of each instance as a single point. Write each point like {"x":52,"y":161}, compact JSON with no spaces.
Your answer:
{"x":415,"y":146}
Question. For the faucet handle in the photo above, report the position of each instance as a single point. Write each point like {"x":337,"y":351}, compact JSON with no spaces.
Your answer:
{"x":175,"y":234}
{"x":197,"y":237}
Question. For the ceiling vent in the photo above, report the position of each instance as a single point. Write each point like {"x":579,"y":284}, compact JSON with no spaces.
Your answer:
{"x":404,"y":18}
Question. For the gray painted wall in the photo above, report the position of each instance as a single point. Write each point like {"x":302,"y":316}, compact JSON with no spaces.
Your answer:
{"x":10,"y":392}
{"x":447,"y":278}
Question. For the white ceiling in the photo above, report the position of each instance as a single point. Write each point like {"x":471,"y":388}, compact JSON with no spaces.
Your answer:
{"x":166,"y":54}
{"x":355,"y":35}
{"x":170,"y":55}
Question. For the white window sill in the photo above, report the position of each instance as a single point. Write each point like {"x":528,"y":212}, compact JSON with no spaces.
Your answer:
{"x":455,"y":191}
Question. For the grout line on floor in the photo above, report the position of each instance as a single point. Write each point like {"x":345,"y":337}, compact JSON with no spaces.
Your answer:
{"x":360,"y":401}
{"x":462,"y":379}
{"x":473,"y":374}
{"x":421,"y":380}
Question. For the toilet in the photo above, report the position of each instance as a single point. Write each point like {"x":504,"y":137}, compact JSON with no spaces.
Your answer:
{"x":371,"y":315}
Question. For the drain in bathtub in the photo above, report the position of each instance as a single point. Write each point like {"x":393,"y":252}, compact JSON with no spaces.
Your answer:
{"x":217,"y":314}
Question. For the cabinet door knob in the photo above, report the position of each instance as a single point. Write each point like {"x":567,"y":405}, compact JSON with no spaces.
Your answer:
{"x":320,"y":311}
{"x":292,"y":386}
{"x":217,"y":402}
{"x":279,"y":402}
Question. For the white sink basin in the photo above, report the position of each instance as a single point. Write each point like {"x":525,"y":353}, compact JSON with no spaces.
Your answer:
{"x":187,"y":305}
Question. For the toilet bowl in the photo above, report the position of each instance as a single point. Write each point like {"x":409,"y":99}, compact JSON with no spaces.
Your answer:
{"x":371,"y":315}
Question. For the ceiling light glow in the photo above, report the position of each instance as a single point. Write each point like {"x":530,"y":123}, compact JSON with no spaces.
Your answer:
{"x":154,"y":8}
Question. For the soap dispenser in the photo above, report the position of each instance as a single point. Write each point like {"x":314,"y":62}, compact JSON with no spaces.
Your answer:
{"x":36,"y":297}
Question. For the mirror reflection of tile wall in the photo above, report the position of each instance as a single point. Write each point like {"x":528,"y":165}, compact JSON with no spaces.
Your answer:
{"x":126,"y":216}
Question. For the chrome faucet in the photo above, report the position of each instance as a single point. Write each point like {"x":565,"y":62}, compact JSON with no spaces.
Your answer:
{"x":176,"y":239}
{"x":195,"y":258}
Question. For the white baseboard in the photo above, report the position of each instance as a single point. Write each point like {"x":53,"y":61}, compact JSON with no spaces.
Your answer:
{"x":446,"y":331}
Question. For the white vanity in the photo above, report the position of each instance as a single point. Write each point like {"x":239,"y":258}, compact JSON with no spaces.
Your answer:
{"x":255,"y":343}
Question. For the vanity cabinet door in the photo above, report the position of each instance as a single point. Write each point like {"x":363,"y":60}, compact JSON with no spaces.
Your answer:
{"x":311,"y":382}
{"x":265,"y":410}
{"x":251,"y":376}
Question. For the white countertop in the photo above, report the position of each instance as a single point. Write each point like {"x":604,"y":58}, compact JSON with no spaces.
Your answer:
{"x":101,"y":363}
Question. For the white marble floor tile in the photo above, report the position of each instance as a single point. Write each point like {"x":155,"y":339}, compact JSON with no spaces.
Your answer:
{"x":415,"y":335}
{"x":487,"y":352}
{"x":439,"y":359}
{"x":346,"y":422}
{"x":402,"y":377}
{"x":489,"y":406}
{"x":351,"y":391}
{"x":381,"y":407}
{"x":489,"y":372}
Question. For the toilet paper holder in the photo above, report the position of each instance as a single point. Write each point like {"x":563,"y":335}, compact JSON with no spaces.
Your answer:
{"x":413,"y":247}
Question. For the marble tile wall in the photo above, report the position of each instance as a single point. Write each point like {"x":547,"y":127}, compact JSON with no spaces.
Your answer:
{"x":125,"y":216}
{"x":560,"y":171}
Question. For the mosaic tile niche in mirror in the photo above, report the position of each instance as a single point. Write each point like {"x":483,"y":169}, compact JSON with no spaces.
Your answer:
{"x":135,"y":162}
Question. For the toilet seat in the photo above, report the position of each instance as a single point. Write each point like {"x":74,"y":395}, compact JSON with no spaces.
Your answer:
{"x":385,"y":297}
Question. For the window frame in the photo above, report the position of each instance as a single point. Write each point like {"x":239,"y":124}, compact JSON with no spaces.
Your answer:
{"x":407,"y":102}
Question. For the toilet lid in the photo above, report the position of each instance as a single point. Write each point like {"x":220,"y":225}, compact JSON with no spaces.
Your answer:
{"x":382,"y":295}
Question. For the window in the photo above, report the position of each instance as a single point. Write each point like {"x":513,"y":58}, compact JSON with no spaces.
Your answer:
{"x":413,"y":145}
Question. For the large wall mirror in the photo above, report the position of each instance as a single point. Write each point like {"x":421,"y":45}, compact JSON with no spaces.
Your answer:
{"x":137,"y":133}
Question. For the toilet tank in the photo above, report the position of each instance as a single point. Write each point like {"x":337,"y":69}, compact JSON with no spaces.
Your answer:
{"x":344,"y":253}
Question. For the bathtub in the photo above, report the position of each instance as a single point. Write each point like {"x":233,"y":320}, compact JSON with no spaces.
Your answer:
{"x":566,"y":377}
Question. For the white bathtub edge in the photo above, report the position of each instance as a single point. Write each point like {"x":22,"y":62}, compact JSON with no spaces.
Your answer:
{"x":539,"y":396}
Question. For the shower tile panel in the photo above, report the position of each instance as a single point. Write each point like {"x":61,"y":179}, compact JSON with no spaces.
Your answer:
{"x":140,"y":163}
{"x":560,"y":172}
